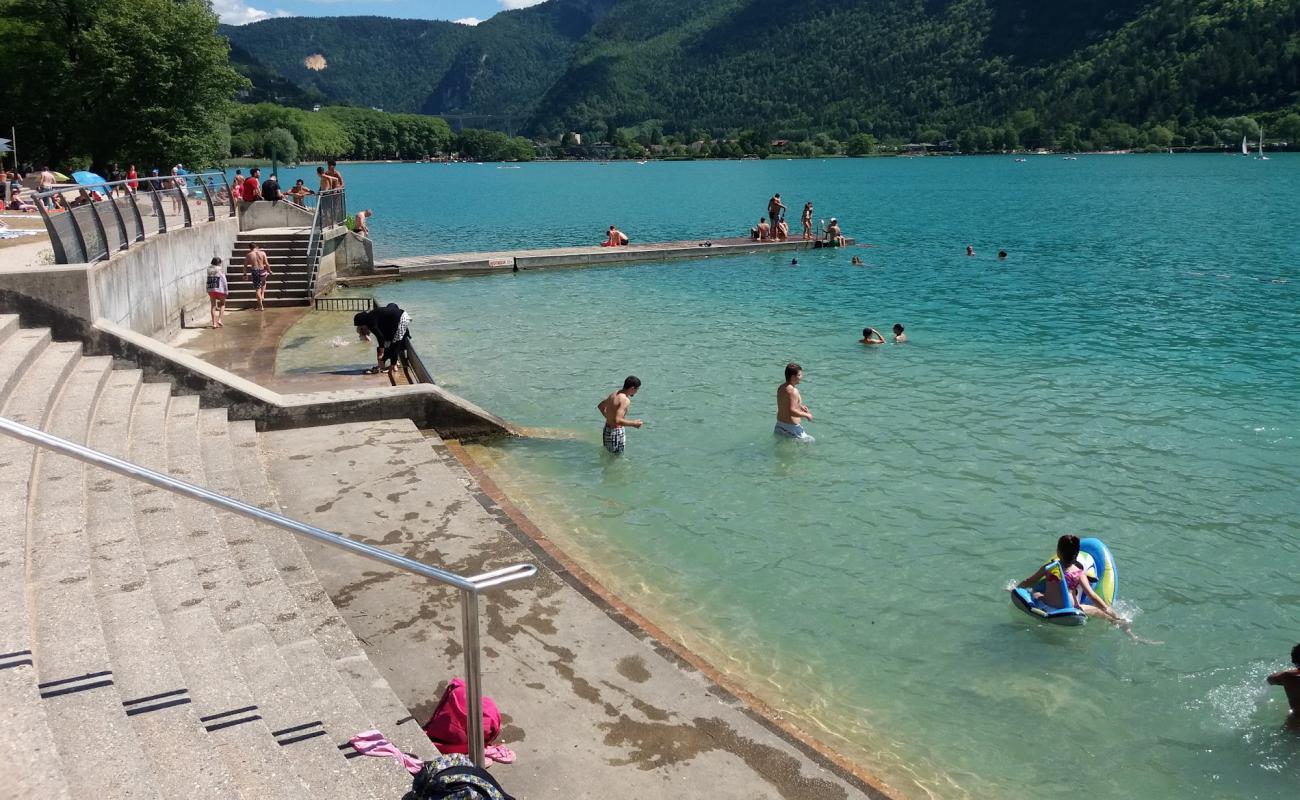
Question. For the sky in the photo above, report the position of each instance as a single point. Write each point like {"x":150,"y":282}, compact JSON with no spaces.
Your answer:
{"x":470,"y":12}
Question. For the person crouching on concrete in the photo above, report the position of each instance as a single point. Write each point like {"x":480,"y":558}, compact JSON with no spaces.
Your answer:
{"x":391,"y":327}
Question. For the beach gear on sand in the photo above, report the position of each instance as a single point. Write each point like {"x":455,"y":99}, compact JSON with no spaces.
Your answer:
{"x":1099,"y":567}
{"x":448,"y":727}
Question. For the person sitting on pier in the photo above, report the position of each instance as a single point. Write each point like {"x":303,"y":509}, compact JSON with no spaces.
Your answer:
{"x":782,"y":231}
{"x":764,"y":232}
{"x":616,"y":238}
{"x":834,"y":236}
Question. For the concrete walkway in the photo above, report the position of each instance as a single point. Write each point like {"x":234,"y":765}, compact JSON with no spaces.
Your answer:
{"x":508,"y":260}
{"x":595,"y":707}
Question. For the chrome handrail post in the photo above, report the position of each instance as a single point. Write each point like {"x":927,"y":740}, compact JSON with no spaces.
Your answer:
{"x":139,"y":220}
{"x":121,"y":223}
{"x":56,"y":241}
{"x":177,"y":183}
{"x":473,"y":674}
{"x":157,"y":204}
{"x":208,"y":187}
{"x":99,"y":226}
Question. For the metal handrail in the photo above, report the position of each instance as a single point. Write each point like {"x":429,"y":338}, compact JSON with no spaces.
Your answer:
{"x":73,"y":231}
{"x":330,"y":198}
{"x":470,"y":587}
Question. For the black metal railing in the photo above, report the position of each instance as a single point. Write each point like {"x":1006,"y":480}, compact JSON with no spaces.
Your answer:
{"x":344,"y":303}
{"x":331,"y":211}
{"x":90,"y":222}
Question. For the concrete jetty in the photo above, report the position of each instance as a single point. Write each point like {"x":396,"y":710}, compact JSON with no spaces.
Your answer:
{"x":553,"y":257}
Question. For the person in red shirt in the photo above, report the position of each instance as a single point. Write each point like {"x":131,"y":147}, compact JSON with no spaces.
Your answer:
{"x":132,"y":179}
{"x":253,"y":186}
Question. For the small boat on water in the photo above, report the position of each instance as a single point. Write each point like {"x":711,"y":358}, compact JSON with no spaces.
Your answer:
{"x":1100,"y":572}
{"x":1260,"y":156}
{"x":1070,"y":158}
{"x":1245,"y":148}
{"x":1020,"y":160}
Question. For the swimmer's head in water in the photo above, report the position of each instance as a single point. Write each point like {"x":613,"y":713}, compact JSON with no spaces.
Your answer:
{"x":631,"y":384}
{"x":793,"y":372}
{"x":866,"y":332}
{"x":1295,"y":655}
{"x":1067,"y":549}
{"x":898,"y":329}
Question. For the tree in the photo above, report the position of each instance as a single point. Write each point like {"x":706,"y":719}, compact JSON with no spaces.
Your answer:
{"x":147,"y":81}
{"x":1288,"y":128}
{"x":861,"y":144}
{"x":279,"y":143}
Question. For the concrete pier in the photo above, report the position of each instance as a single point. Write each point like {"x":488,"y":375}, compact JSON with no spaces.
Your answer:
{"x":553,"y":257}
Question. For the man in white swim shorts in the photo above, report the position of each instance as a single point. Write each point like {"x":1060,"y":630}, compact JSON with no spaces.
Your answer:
{"x":614,"y":410}
{"x":790,"y":410}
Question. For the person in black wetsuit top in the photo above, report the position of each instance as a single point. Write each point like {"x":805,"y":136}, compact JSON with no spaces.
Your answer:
{"x":391,"y":327}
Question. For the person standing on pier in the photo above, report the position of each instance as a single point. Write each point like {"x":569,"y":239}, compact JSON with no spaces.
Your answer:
{"x":614,"y":410}
{"x":806,"y":219}
{"x":775,"y":208}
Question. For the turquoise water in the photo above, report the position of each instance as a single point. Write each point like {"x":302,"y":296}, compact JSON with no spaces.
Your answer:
{"x":1131,"y":371}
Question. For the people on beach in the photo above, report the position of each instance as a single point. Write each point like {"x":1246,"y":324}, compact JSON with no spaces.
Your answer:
{"x":614,"y":238}
{"x":790,"y":410}
{"x":834,"y":236}
{"x":871,"y":336}
{"x":391,"y":327}
{"x":970,"y":249}
{"x":1076,"y":583}
{"x":1289,"y":680}
{"x":775,"y":208}
{"x":806,"y":219}
{"x":614,"y":409}
{"x":218,"y":288}
{"x":899,"y":336}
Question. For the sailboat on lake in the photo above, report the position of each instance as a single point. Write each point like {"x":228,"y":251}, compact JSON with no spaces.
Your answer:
{"x":1260,"y":155}
{"x":1245,"y":148}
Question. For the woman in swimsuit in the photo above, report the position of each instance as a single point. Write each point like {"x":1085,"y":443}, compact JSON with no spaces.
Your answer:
{"x":1076,"y":582}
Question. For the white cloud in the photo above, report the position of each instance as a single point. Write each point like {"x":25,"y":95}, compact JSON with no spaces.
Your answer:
{"x":467,"y":21}
{"x":510,"y":5}
{"x":237,"y":12}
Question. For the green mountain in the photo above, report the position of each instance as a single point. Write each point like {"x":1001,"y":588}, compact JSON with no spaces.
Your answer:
{"x":1024,"y":71}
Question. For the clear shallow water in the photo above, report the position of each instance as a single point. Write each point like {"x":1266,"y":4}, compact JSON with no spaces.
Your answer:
{"x":1131,"y":372}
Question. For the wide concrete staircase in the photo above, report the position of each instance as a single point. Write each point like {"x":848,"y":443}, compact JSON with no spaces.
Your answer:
{"x":150,"y":646}
{"x":291,"y":266}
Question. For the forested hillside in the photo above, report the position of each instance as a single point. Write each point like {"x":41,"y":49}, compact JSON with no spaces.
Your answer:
{"x":992,"y":73}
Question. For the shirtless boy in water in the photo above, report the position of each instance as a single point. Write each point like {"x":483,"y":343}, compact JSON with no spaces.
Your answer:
{"x":614,"y":410}
{"x":790,"y":409}
{"x":1289,"y":679}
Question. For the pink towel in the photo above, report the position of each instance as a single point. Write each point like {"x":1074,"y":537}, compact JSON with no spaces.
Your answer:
{"x":374,"y":743}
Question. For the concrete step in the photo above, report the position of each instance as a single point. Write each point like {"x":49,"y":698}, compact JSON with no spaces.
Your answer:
{"x":340,"y":714}
{"x":271,"y":302}
{"x":8,"y":325}
{"x":317,"y":611}
{"x":98,"y":748}
{"x":145,"y":669}
{"x":314,"y":757}
{"x":226,"y":708}
{"x":269,"y":294}
{"x":18,"y":351}
{"x":29,"y":759}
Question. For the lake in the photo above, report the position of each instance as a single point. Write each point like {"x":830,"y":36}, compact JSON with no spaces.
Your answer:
{"x":1131,"y":371}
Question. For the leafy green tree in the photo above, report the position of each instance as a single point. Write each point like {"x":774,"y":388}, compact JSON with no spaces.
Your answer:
{"x":861,"y":144}
{"x":279,"y":143}
{"x":1288,"y":128}
{"x":147,"y":81}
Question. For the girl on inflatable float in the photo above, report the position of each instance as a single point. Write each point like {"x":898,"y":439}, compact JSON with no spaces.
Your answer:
{"x":1076,"y":583}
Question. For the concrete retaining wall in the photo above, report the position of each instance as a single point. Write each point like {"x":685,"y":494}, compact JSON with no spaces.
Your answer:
{"x":352,"y":255}
{"x":143,"y":289}
{"x":265,"y":214}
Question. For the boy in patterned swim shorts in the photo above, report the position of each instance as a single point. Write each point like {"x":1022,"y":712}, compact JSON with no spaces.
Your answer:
{"x":614,"y":410}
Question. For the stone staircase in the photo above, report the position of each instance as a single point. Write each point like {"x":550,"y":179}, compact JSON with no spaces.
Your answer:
{"x":291,"y":265}
{"x":150,"y":646}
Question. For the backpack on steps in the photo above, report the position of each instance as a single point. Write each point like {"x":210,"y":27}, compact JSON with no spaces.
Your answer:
{"x":454,"y":777}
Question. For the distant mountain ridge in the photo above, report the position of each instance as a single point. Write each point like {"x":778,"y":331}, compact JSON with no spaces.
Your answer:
{"x":891,"y":67}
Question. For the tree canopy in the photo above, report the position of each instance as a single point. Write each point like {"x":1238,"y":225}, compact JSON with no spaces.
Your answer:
{"x":146,"y":81}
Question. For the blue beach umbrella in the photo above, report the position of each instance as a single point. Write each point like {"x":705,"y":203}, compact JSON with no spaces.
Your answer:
{"x":85,"y":178}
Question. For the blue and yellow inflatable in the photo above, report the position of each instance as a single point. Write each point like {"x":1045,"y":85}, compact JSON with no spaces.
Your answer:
{"x":1098,"y":565}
